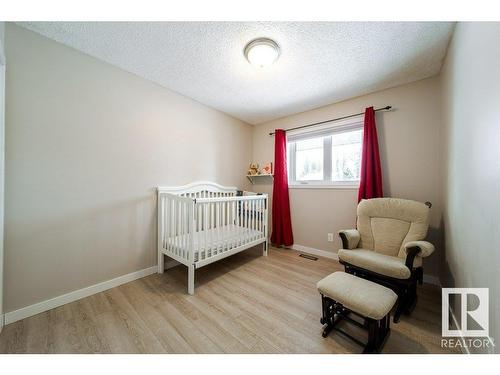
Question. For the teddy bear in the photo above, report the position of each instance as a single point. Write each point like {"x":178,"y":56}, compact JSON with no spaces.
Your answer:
{"x":253,"y":169}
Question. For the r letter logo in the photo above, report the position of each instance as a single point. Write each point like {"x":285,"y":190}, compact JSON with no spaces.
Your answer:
{"x":472,"y":304}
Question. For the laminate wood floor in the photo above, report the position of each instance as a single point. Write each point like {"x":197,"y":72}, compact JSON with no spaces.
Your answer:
{"x":242,"y":304}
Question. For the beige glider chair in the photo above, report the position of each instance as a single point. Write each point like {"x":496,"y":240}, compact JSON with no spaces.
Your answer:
{"x":388,"y":246}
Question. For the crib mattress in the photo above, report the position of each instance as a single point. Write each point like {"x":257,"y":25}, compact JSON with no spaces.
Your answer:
{"x":213,"y":241}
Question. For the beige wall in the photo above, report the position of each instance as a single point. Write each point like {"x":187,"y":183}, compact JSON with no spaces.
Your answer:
{"x":86,"y":143}
{"x":2,"y":154}
{"x":471,"y":162}
{"x":409,"y":145}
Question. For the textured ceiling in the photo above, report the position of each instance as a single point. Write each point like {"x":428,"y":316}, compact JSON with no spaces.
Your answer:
{"x":320,"y":62}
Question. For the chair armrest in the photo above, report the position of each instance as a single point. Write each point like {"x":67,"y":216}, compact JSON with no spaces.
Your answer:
{"x":424,"y":248}
{"x":350,"y":238}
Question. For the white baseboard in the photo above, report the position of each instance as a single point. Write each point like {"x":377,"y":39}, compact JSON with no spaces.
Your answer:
{"x":429,"y":279}
{"x":52,"y":303}
{"x":313,"y":251}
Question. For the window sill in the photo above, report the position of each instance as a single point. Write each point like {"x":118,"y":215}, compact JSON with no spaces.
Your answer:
{"x":318,"y":186}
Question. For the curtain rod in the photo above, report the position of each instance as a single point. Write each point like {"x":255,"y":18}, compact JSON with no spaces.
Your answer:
{"x":335,"y":119}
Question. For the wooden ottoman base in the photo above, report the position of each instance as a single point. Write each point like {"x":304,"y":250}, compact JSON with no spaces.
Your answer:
{"x":378,"y":330}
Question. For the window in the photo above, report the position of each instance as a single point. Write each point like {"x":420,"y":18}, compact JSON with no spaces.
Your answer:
{"x":326,"y":157}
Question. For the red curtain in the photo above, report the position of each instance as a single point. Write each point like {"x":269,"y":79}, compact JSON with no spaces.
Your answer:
{"x":370,"y":184}
{"x":282,"y":222}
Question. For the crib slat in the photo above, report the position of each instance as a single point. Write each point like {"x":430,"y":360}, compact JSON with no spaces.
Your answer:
{"x":170,"y":223}
{"x":244,"y":204}
{"x":214,"y":222}
{"x":248,"y":219}
{"x":184,"y":234}
{"x":218,"y":224}
{"x":238,"y":220}
{"x":221,"y":226}
{"x":229,"y":227}
{"x":224,"y":226}
{"x":233,"y":223}
{"x":179,"y":218}
{"x":161,"y":224}
{"x":257,"y":228}
{"x":166,"y":218}
{"x":249,"y":233}
{"x":215,"y":227}
{"x":207,"y":228}
{"x":176,"y":227}
{"x":254,"y":218}
{"x":242,"y":218}
{"x":186,"y":229}
{"x":181,"y":229}
{"x":257,"y":220}
{"x":165,"y":228}
{"x":211,"y":229}
{"x":260,"y":217}
{"x":175,"y":212}
{"x":192,"y":229}
{"x":170,"y":217}
{"x":251,"y":221}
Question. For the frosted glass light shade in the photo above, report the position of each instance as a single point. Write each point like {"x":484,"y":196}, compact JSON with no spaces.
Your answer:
{"x":262,"y":52}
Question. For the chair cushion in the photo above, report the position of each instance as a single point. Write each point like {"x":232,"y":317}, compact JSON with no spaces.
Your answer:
{"x":359,"y":295}
{"x":386,"y":224}
{"x":382,"y":264}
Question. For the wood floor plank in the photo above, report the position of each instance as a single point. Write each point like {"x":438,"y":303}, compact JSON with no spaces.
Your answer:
{"x":37,"y":333}
{"x":197,"y":340}
{"x":140,"y":334}
{"x":88,"y":330}
{"x":245,"y":303}
{"x":171,"y":340}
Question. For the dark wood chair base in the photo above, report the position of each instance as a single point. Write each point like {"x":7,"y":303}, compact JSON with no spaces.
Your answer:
{"x":378,"y":330}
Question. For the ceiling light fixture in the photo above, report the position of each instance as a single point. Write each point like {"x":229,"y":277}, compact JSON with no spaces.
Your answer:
{"x":262,"y":52}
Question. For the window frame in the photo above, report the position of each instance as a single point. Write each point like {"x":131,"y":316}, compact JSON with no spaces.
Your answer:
{"x":326,"y":132}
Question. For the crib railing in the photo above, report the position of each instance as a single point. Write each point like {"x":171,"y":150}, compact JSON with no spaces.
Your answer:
{"x":228,"y":223}
{"x":176,"y":225}
{"x":214,"y":225}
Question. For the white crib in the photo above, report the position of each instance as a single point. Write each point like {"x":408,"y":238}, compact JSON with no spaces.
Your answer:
{"x":203,"y":222}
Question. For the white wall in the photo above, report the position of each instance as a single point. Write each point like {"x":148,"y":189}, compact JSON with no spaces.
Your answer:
{"x":2,"y":153}
{"x":86,"y":143}
{"x":409,"y":147}
{"x":471,"y":163}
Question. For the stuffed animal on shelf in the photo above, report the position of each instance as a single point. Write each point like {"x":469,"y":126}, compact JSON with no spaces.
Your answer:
{"x":253,"y":169}
{"x":267,"y":168}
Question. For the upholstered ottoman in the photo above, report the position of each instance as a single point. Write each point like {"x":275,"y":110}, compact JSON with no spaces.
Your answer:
{"x":343,"y":294}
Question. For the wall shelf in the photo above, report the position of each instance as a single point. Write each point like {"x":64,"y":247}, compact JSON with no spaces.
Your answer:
{"x":260,"y":177}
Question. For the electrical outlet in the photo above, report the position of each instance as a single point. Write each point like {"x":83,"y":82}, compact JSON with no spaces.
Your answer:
{"x":330,"y":237}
